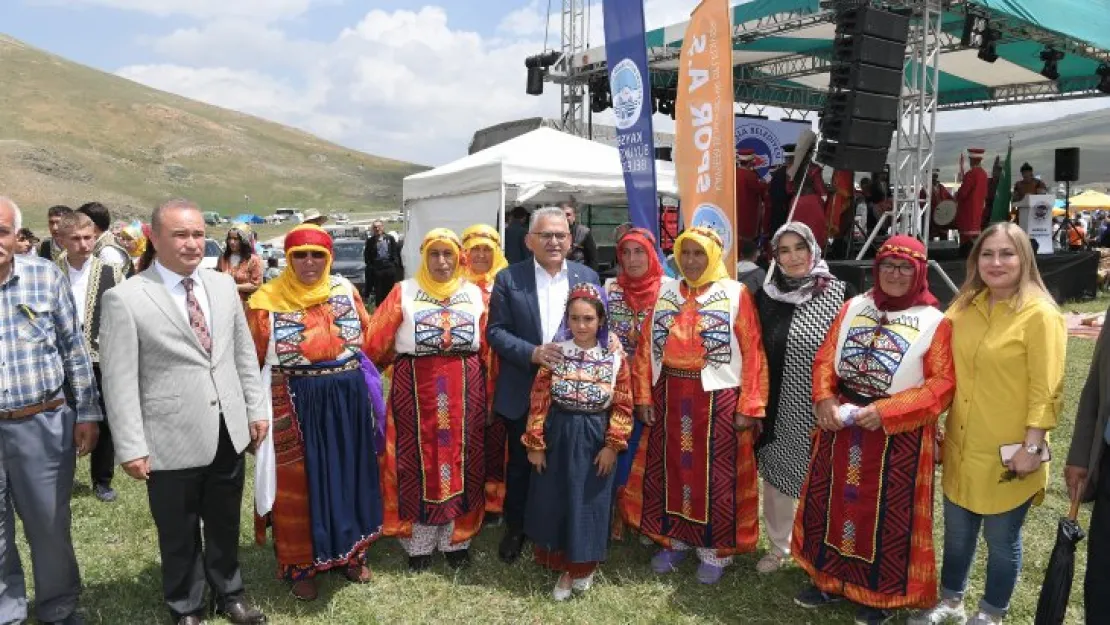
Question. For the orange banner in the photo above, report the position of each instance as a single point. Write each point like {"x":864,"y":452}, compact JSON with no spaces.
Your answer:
{"x":705,"y":160}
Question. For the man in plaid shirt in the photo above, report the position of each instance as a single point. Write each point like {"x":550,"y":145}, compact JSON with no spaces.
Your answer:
{"x":43,"y":360}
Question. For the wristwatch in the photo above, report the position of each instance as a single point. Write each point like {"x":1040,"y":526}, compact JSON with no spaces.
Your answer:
{"x":1033,"y":449}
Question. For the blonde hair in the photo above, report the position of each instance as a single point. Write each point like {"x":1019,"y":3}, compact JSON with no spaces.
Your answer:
{"x":72,"y":222}
{"x":1029,"y":286}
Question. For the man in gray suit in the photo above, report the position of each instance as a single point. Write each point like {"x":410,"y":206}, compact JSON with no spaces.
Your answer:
{"x":184,"y":400}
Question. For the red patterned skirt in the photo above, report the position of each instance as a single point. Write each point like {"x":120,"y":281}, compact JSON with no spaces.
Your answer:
{"x":864,"y":527}
{"x":433,"y":468}
{"x":694,"y":477}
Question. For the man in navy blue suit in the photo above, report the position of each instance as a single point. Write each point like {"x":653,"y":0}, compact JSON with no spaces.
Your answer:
{"x":526,"y":308}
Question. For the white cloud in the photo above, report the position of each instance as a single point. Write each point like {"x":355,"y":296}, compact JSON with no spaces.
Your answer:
{"x":264,"y":10}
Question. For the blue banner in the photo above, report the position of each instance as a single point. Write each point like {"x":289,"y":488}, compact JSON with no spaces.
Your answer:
{"x":630,"y":84}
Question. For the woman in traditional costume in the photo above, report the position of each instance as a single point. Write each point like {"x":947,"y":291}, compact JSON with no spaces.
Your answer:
{"x":431,"y":329}
{"x":700,"y":387}
{"x":484,"y":258}
{"x":632,"y":296}
{"x":579,"y":420}
{"x":133,"y":238}
{"x":796,"y":309}
{"x":317,"y":475}
{"x":240,"y":261}
{"x":864,"y":527}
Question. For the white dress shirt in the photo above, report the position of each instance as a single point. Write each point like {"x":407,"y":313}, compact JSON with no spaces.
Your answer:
{"x":79,"y":286}
{"x":173,"y":284}
{"x":552,"y":293}
{"x":112,"y":256}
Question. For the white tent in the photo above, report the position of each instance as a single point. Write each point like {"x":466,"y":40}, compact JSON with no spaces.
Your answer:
{"x":544,"y":166}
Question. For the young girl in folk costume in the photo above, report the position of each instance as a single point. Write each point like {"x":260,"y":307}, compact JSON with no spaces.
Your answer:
{"x":631,"y":296}
{"x":579,"y":420}
{"x":484,"y":258}
{"x":432,"y":330}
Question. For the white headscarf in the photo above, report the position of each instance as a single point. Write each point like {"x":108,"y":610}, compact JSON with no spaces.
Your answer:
{"x":783,"y":288}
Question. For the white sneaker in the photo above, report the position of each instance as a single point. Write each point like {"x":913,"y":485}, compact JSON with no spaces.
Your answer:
{"x":583,"y":584}
{"x":982,"y":618}
{"x":563,"y":592}
{"x":944,"y":612}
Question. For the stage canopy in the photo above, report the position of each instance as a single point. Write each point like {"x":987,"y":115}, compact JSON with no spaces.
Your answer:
{"x":782,"y":50}
{"x":543,"y":166}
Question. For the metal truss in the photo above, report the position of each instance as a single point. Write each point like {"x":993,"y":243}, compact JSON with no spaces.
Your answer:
{"x":572,"y":96}
{"x":1025,"y":31}
{"x":1074,"y":88}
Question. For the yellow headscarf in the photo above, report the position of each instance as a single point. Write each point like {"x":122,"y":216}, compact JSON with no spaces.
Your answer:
{"x":286,"y":293}
{"x":710,"y":241}
{"x":440,"y":290}
{"x":481,"y":234}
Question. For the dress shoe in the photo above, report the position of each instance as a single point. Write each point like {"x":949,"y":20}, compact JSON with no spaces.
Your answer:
{"x":304,"y":589}
{"x":358,"y":574}
{"x":239,"y":612}
{"x":511,"y":546}
{"x":190,"y":619}
{"x":458,"y":559}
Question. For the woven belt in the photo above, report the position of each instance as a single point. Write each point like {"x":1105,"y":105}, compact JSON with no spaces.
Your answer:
{"x":33,"y":409}
{"x":350,"y":365}
{"x":682,"y":373}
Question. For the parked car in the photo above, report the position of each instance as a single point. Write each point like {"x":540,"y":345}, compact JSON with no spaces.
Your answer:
{"x":212,"y":252}
{"x":349,"y":263}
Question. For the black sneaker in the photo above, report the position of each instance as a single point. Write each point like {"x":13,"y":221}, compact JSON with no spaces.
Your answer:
{"x":104,"y":493}
{"x":419,"y":563}
{"x":458,"y":559}
{"x":872,"y":616}
{"x":813,"y":597}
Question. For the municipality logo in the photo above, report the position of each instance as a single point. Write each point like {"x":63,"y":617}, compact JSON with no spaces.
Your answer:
{"x":711,"y":216}
{"x":762,"y":140}
{"x":628,"y":93}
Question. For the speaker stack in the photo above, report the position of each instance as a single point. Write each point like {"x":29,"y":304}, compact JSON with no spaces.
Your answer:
{"x":865,"y":84}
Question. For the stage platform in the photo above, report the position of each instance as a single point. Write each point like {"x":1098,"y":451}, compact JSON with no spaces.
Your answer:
{"x":1068,"y":275}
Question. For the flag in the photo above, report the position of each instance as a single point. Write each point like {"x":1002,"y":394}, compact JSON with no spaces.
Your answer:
{"x":1003,"y":190}
{"x":705,"y":150}
{"x":630,"y":86}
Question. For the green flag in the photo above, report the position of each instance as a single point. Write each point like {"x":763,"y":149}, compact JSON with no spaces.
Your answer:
{"x":1004,"y":191}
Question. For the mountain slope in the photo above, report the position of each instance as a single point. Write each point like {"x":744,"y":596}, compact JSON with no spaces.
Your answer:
{"x":70,"y":134}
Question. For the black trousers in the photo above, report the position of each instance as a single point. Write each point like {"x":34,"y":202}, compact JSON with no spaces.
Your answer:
{"x":102,"y":460}
{"x":518,"y":474}
{"x":1096,"y":599}
{"x":179,"y":501}
{"x":382,"y":280}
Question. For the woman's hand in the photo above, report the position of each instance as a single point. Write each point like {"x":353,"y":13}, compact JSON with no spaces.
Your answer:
{"x":646,"y":414}
{"x":605,"y":461}
{"x":743,"y":423}
{"x":827,"y":417}
{"x":538,"y":458}
{"x":1023,"y":463}
{"x":868,"y":418}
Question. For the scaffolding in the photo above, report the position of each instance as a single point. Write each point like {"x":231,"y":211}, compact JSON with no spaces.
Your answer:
{"x":572,"y":96}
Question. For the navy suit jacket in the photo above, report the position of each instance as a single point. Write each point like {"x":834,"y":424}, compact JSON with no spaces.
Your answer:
{"x":514,"y":331}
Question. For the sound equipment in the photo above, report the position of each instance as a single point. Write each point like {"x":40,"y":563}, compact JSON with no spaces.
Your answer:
{"x":945,"y":212}
{"x":865,"y":84}
{"x":664,"y":153}
{"x":1067,"y":164}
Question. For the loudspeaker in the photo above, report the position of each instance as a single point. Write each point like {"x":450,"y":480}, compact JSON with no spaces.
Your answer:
{"x":861,"y":132}
{"x":870,"y":50}
{"x":851,"y":157}
{"x":663,"y":153}
{"x":877,"y":23}
{"x":862,"y":105}
{"x":867,"y":78}
{"x":1067,"y":164}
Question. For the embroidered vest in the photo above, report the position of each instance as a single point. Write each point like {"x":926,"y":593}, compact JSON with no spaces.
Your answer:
{"x":877,"y":359}
{"x":102,"y":277}
{"x":107,"y":240}
{"x":717,"y":310}
{"x":287,"y":329}
{"x":584,"y":381}
{"x":430,"y":326}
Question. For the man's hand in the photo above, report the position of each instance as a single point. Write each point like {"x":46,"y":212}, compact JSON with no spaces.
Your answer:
{"x":85,"y":437}
{"x":646,"y":414}
{"x":258,"y":431}
{"x":138,"y":468}
{"x":1076,"y":479}
{"x":547,"y":355}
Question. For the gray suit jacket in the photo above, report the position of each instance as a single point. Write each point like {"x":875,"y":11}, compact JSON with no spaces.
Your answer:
{"x":1087,"y":442}
{"x":164,"y":394}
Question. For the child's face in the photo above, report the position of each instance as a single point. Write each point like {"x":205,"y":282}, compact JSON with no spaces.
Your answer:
{"x":583,"y":321}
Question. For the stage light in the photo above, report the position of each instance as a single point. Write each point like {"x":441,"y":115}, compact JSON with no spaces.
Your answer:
{"x":988,"y":46}
{"x":600,"y":99}
{"x":535,"y":81}
{"x":537,"y":68}
{"x":974,"y":25}
{"x":1103,"y":72}
{"x":1051,"y":57}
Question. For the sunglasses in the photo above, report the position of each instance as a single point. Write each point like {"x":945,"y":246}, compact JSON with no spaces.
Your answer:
{"x":301,"y":255}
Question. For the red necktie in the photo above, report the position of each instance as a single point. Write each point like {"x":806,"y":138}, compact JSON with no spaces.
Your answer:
{"x":196,"y":316}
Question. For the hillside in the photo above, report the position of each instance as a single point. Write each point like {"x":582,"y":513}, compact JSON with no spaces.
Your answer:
{"x":1036,"y":144}
{"x":70,"y":134}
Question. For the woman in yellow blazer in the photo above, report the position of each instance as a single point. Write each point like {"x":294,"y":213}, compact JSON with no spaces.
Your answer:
{"x":1008,"y":341}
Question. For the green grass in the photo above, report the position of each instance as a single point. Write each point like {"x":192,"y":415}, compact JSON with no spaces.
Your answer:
{"x":117,"y":549}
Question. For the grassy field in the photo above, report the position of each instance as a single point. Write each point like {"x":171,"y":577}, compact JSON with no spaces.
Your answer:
{"x":116,"y":546}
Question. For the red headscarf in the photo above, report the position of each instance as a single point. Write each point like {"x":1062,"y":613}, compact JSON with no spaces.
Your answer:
{"x":640,"y":293}
{"x":905,"y":248}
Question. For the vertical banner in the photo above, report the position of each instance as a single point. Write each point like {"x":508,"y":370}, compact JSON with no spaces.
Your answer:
{"x":705,"y":153}
{"x":630,"y":84}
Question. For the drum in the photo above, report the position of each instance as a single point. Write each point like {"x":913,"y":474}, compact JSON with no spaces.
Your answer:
{"x":945,"y":213}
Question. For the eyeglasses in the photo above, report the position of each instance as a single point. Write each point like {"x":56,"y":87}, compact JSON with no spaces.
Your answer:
{"x":552,"y":236}
{"x":301,"y":255}
{"x":905,"y":270}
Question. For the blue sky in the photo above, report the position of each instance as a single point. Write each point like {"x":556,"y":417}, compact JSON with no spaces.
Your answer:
{"x":397,"y":78}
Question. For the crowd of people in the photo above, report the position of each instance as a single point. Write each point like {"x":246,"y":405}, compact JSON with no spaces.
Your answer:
{"x":656,"y":406}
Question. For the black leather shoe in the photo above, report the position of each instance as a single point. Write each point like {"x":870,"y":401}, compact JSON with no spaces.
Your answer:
{"x":419,"y":563}
{"x":458,"y":559}
{"x":190,"y":619}
{"x":240,"y":612}
{"x":511,"y":546}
